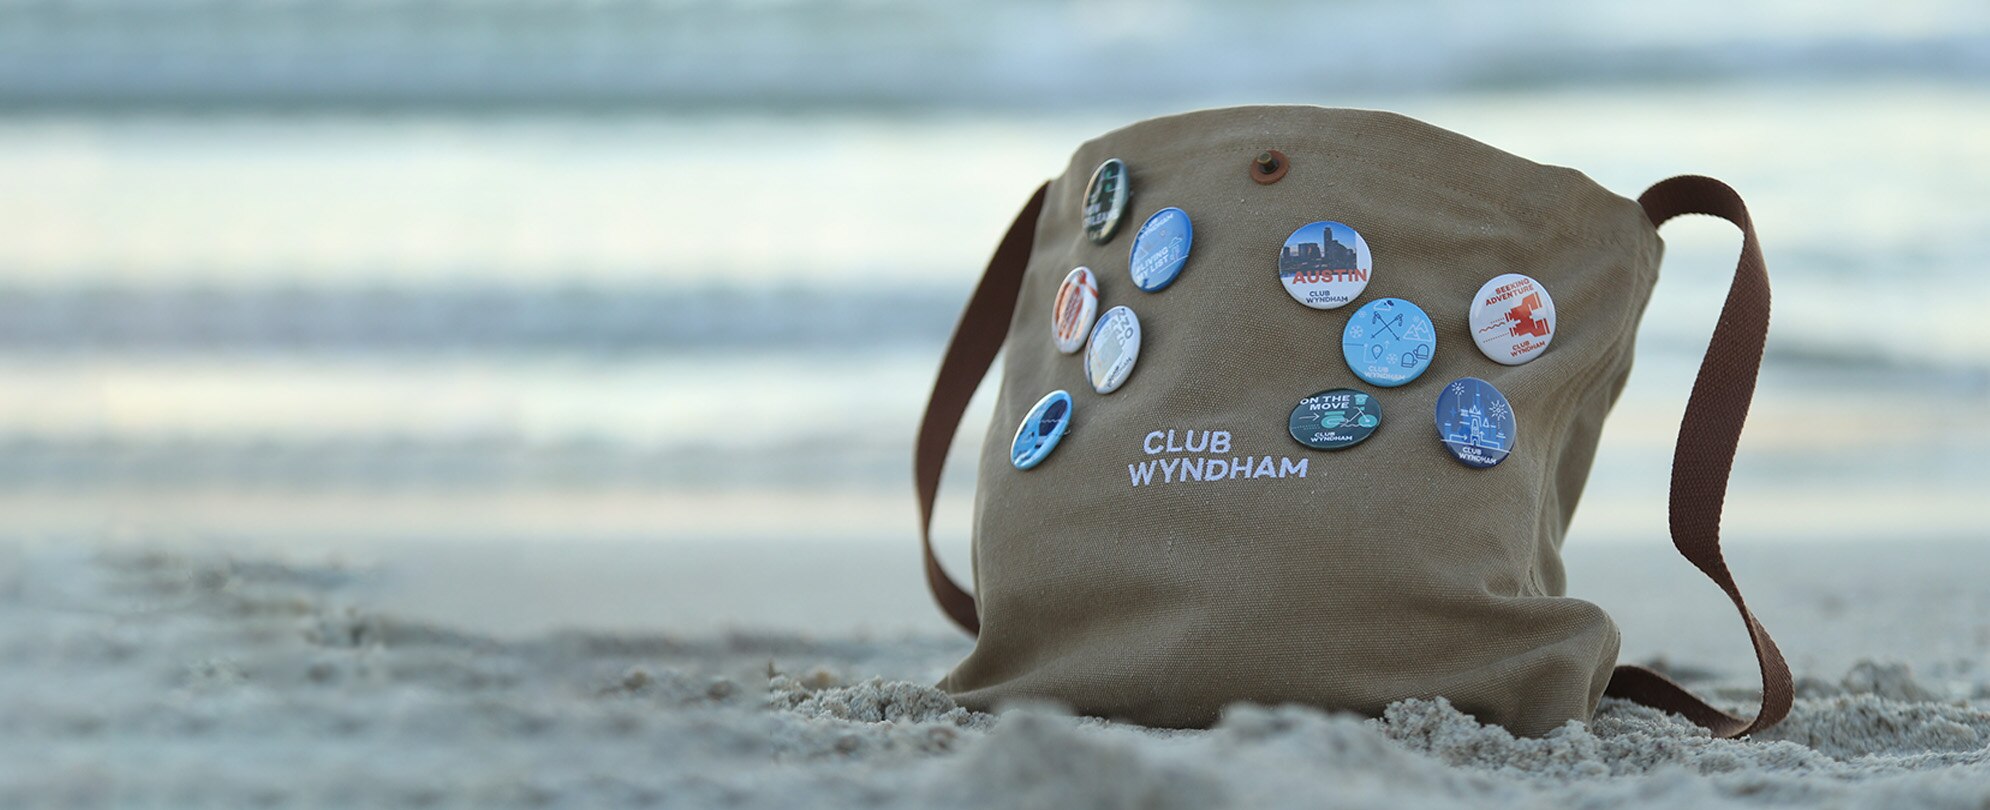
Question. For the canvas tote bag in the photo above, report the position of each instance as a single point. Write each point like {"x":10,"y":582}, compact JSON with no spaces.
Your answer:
{"x":1384,"y":571}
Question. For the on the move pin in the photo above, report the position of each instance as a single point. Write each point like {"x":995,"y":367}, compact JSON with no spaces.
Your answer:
{"x":1332,"y":420}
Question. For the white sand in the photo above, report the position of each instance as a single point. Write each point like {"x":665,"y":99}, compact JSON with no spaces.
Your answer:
{"x":179,"y":679}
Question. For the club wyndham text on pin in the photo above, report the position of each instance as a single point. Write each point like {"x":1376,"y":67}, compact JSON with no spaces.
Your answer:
{"x":1203,"y":456}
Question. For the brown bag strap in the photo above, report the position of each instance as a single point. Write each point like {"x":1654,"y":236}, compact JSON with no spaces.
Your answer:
{"x":1704,"y":456}
{"x":983,"y":326}
{"x":1702,"y":460}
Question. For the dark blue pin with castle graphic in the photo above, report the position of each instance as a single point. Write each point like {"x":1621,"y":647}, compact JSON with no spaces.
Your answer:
{"x":1475,"y":422}
{"x":1388,"y":342}
{"x":1042,"y":428}
{"x":1160,"y":249}
{"x":1332,"y":420}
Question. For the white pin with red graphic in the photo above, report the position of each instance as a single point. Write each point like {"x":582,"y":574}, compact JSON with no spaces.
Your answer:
{"x":1077,"y":306}
{"x":1513,"y":319}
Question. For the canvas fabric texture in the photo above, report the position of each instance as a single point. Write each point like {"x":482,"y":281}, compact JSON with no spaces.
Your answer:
{"x":1344,"y":579}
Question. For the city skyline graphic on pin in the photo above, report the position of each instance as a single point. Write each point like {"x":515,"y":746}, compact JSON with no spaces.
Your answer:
{"x":1324,"y":265}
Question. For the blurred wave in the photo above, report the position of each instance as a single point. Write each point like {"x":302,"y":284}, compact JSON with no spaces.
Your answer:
{"x":917,"y":54}
{"x":606,"y":322}
{"x":603,"y":319}
{"x":440,"y":464}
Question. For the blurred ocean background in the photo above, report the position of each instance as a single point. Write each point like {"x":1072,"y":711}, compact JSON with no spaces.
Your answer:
{"x":371,"y":271}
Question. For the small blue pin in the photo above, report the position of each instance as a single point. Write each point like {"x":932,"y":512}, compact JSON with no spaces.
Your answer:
{"x":1042,"y":428}
{"x":1160,"y":249}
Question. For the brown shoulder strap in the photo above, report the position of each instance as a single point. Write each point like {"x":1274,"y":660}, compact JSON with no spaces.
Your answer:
{"x":1702,"y":460}
{"x":977,"y":338}
{"x":1704,"y":455}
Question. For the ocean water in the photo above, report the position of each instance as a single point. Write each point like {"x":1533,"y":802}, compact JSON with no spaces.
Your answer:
{"x":919,"y":55}
{"x":308,"y":277}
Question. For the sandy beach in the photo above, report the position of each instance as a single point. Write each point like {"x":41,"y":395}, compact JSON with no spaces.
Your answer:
{"x":184,"y":677}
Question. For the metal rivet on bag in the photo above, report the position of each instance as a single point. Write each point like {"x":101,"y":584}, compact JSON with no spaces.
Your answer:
{"x":1336,"y":419}
{"x":1513,"y":319}
{"x":1042,"y":428}
{"x":1269,"y":166}
{"x":1077,"y":305}
{"x":1475,"y":422}
{"x":1388,"y":342}
{"x":1112,"y":350}
{"x":1105,"y":200}
{"x":1324,"y":265}
{"x":1160,"y":249}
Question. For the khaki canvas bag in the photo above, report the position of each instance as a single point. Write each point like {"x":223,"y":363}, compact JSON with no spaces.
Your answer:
{"x":1388,"y":570}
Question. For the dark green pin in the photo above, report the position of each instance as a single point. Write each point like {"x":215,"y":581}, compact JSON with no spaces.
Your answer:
{"x":1335,"y":419}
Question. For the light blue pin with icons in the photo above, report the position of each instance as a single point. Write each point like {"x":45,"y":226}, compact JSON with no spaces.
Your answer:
{"x":1042,"y":428}
{"x":1160,"y":249}
{"x":1389,"y":342}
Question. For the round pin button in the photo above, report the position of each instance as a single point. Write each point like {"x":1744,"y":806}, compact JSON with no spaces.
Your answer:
{"x":1042,"y":428}
{"x":1336,"y":419}
{"x":1324,"y":265}
{"x":1160,"y":249}
{"x":1112,"y":350}
{"x":1388,"y":342}
{"x":1475,"y":422}
{"x":1076,"y":307}
{"x":1105,"y":200}
{"x":1513,"y":319}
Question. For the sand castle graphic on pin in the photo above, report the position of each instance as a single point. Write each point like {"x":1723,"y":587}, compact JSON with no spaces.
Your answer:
{"x":1472,"y":425}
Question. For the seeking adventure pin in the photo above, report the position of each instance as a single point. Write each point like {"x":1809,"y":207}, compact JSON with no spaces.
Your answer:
{"x":1513,"y":319}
